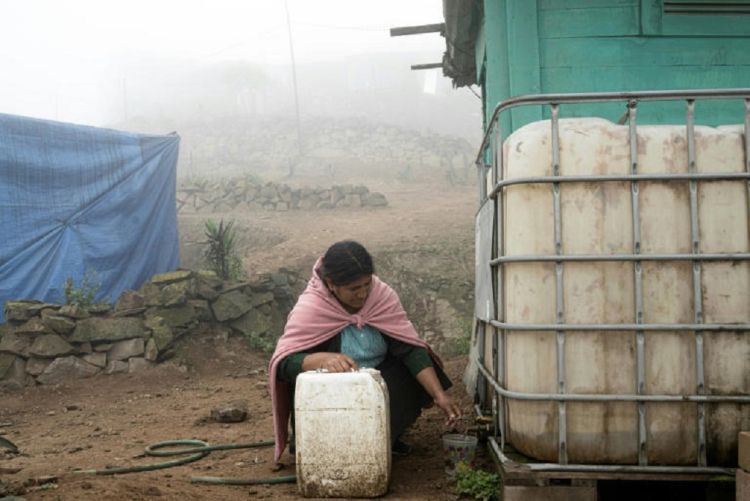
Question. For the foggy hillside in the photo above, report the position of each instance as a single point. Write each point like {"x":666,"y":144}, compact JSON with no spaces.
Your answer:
{"x":165,"y":96}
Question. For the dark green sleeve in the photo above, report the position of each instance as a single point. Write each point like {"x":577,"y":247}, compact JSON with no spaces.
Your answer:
{"x":415,"y":358}
{"x":291,"y":366}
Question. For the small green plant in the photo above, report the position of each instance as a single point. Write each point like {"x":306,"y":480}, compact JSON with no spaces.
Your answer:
{"x":82,"y":296}
{"x":456,"y":346}
{"x":476,"y":484}
{"x":461,"y":344}
{"x":221,"y":251}
{"x":262,"y":342}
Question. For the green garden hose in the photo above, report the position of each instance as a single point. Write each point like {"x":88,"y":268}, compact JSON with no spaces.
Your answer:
{"x":199,"y":450}
{"x":290,"y":479}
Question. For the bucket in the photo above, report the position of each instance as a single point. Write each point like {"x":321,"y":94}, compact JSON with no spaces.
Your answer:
{"x":458,"y":448}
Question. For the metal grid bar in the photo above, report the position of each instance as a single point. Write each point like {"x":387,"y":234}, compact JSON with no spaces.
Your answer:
{"x":495,"y":365}
{"x":697,"y":293}
{"x":620,"y":327}
{"x":621,"y":257}
{"x":501,"y":378}
{"x":747,"y":156}
{"x":500,"y":308}
{"x":483,"y":380}
{"x":499,"y":152}
{"x":499,"y":350}
{"x":482,"y":181}
{"x":640,"y":341}
{"x":604,"y":97}
{"x":498,"y":405}
{"x":697,"y":176}
{"x":481,"y":390}
{"x":723,"y":176}
{"x":562,"y":431}
{"x":601,"y":397}
{"x":601,"y":468}
{"x":497,"y":145}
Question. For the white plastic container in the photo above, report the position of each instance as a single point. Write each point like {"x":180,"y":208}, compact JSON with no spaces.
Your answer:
{"x":342,"y":429}
{"x":596,"y":219}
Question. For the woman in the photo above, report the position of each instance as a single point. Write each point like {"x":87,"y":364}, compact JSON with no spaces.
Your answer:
{"x":348,"y":318}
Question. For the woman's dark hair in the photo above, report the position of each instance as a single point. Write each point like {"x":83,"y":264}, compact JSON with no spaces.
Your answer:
{"x":346,"y":261}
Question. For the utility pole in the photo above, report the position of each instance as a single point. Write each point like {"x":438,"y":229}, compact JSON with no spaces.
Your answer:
{"x":294,"y":84}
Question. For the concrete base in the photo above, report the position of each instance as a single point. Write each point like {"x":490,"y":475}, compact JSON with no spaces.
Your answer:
{"x":548,"y":493}
{"x":743,"y":486}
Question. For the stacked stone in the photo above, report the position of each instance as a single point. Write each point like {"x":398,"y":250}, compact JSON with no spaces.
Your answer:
{"x":247,"y":194}
{"x":49,"y":343}
{"x":256,"y":310}
{"x":260,"y":145}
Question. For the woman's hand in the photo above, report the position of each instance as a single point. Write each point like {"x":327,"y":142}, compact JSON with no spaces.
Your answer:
{"x":427,"y":377}
{"x":332,"y":362}
{"x":451,"y":409}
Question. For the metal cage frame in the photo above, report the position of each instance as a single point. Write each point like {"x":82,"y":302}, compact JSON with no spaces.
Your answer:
{"x":494,"y":324}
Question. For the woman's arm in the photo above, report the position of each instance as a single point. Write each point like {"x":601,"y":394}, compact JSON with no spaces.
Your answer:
{"x":430,"y":382}
{"x":290,"y":367}
{"x":317,"y":357}
{"x":420,"y":364}
{"x":332,"y":362}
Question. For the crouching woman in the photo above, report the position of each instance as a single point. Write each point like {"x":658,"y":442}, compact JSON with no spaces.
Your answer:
{"x":346,"y":319}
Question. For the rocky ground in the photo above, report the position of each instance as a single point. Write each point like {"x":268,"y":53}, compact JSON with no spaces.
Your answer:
{"x":422,"y":242}
{"x":108,"y":420}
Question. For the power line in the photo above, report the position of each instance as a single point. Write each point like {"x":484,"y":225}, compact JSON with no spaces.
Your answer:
{"x":244,"y":42}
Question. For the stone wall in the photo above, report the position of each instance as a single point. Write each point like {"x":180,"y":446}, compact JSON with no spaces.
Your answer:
{"x":47,"y":343}
{"x":344,"y":150}
{"x":249,"y":194}
{"x":434,"y":282}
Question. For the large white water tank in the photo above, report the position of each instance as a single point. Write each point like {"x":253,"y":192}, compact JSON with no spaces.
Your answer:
{"x":596,"y":219}
{"x":342,"y":430}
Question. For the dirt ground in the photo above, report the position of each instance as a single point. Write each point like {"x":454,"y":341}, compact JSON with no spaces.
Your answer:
{"x":416,"y":216}
{"x":107,"y":421}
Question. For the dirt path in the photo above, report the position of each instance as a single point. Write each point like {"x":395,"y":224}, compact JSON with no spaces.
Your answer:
{"x":414,"y":217}
{"x":108,"y":420}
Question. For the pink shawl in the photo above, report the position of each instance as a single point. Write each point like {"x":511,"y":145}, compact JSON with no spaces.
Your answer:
{"x":317,"y":317}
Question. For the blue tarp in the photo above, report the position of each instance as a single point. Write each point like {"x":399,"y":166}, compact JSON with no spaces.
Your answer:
{"x":78,"y":200}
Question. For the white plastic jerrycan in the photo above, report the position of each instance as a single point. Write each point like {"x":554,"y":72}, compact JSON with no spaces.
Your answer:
{"x":343,"y":435}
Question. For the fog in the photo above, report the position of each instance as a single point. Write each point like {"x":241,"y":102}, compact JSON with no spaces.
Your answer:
{"x":163,"y":62}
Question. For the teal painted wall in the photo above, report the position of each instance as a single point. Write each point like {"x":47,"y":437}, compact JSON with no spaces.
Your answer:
{"x":551,"y":46}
